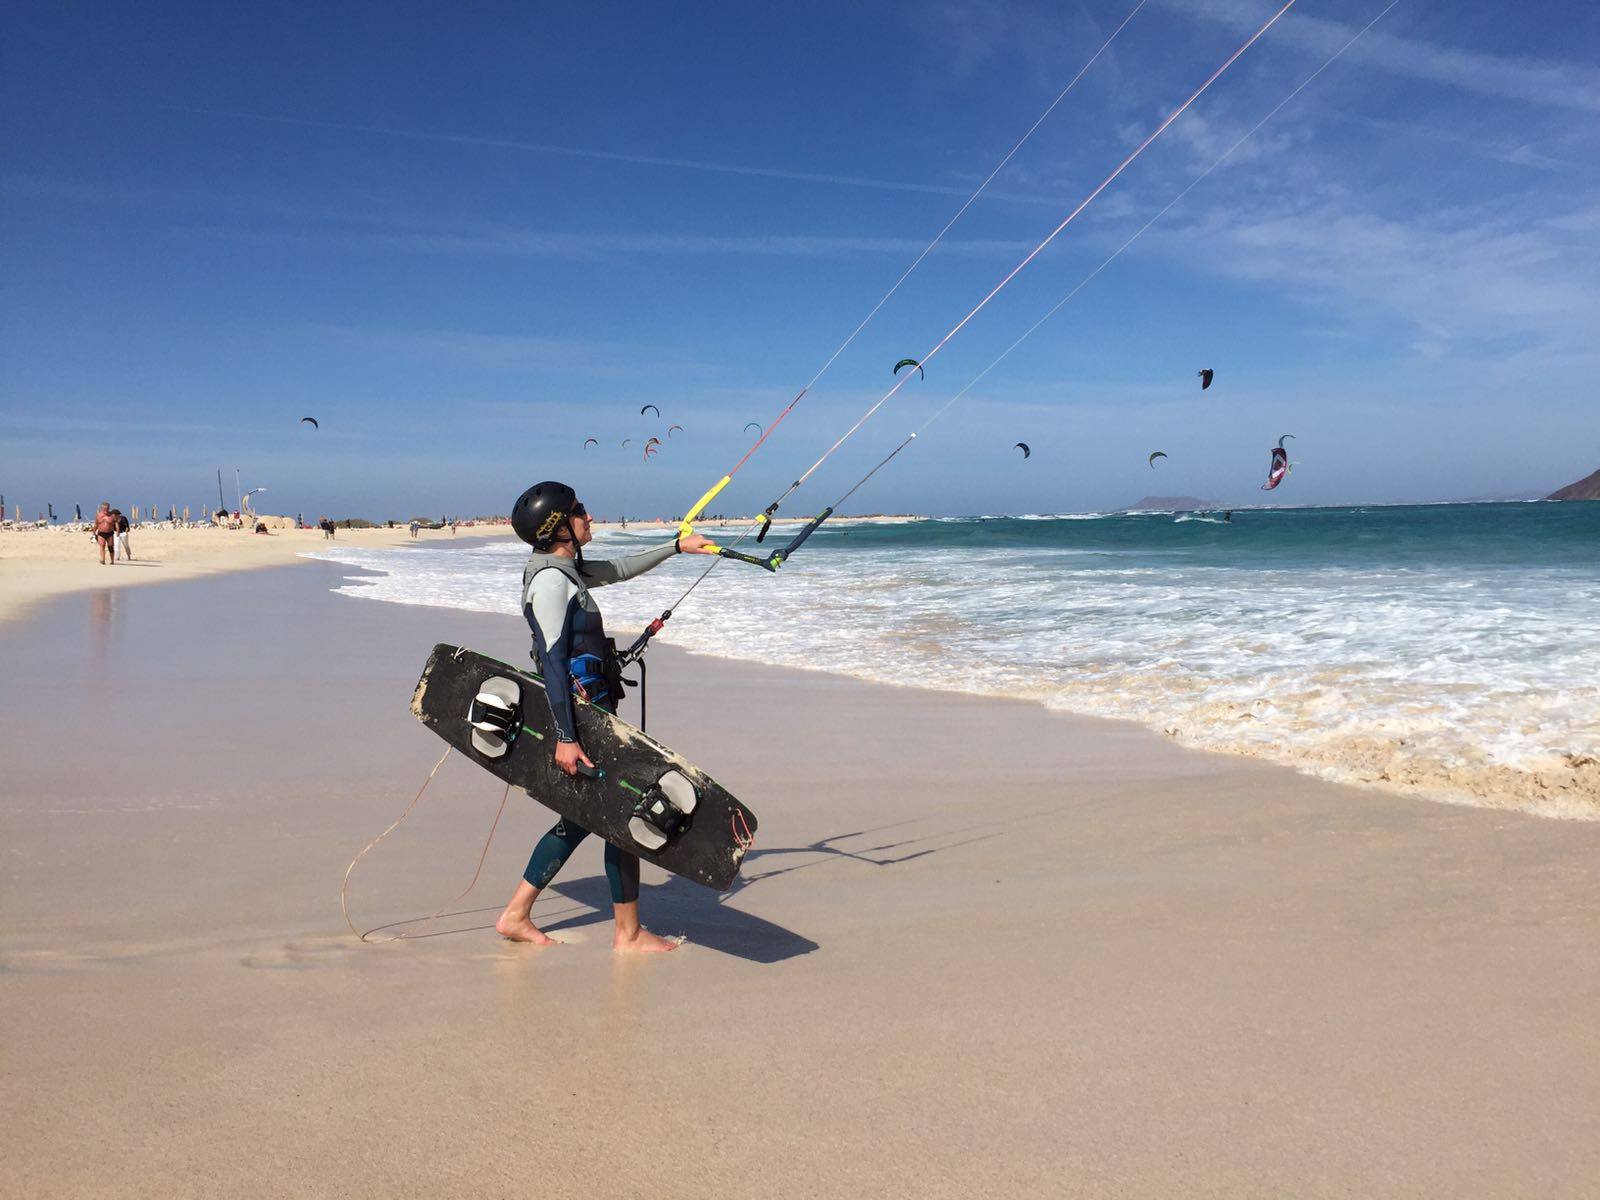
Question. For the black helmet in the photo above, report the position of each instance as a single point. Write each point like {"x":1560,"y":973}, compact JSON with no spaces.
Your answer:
{"x":542,"y":512}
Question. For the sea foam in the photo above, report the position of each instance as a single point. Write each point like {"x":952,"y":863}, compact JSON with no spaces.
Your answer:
{"x":1398,"y":648}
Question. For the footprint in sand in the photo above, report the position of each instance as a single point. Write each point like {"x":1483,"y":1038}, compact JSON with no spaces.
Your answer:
{"x":299,"y":956}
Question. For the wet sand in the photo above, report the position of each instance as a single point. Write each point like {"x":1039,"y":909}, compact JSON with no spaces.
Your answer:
{"x":979,"y":949}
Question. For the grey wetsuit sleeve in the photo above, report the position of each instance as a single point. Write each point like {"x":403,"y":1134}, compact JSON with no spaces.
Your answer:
{"x":550,"y":599}
{"x":615,"y":570}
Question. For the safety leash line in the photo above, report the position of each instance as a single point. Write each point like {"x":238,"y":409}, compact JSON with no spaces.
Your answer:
{"x":344,"y":886}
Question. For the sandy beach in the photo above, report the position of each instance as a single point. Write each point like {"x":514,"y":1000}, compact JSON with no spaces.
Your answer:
{"x":40,"y":562}
{"x":979,"y":949}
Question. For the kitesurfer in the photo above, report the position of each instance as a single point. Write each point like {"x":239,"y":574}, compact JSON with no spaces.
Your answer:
{"x":570,"y":643}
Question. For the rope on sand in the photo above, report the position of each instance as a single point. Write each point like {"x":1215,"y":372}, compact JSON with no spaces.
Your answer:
{"x":344,"y":886}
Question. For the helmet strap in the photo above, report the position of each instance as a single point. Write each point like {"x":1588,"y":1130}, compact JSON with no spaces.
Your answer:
{"x":571,"y":539}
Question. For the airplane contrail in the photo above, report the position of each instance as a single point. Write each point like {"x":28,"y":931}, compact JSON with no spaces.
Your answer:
{"x":648,"y":160}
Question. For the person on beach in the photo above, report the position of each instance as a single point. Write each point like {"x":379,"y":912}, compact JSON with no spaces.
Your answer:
{"x":414,"y":528}
{"x":122,"y":534}
{"x":105,"y":531}
{"x":570,"y":643}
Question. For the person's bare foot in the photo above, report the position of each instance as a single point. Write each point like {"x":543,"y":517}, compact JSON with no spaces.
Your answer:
{"x":642,"y":941}
{"x":521,"y":929}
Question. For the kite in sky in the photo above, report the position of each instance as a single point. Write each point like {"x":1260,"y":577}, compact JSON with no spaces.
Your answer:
{"x":1279,"y":467}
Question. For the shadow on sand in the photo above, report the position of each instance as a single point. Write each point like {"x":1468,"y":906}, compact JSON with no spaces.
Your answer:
{"x":710,"y":921}
{"x":884,"y":854}
{"x":681,"y":906}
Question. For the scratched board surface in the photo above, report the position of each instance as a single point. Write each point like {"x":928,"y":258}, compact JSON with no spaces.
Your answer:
{"x":709,"y":850}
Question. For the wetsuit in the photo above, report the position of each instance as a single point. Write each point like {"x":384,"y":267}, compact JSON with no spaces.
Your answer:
{"x":570,"y":645}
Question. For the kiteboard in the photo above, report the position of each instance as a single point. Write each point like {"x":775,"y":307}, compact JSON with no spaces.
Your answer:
{"x":641,"y":797}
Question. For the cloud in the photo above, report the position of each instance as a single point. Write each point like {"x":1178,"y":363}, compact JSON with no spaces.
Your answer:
{"x":649,"y":160}
{"x":958,"y":38}
{"x":1552,"y":84}
{"x":509,"y":242}
{"x":1512,"y":151}
{"x":382,"y":227}
{"x":20,"y":426}
{"x":548,"y":244}
{"x":1454,"y":277}
{"x":1207,"y":138}
{"x":517,"y":352}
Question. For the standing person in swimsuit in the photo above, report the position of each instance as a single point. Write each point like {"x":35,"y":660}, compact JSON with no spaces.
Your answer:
{"x":570,"y":643}
{"x":105,"y":532}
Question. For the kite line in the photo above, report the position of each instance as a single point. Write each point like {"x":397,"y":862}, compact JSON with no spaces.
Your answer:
{"x":772,"y":561}
{"x":1115,"y":254}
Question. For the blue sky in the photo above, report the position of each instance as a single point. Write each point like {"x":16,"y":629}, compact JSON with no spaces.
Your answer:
{"x":466,"y":240}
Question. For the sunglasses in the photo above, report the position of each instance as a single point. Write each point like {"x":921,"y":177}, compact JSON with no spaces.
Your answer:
{"x":578,"y":510}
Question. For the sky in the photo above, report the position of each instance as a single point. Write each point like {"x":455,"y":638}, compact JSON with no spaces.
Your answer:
{"x":467,"y":239}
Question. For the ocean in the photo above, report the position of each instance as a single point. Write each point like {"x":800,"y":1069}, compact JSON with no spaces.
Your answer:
{"x":1451,"y":651}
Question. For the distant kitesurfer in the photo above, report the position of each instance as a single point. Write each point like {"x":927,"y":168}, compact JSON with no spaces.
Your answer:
{"x":570,"y":643}
{"x":1227,"y":517}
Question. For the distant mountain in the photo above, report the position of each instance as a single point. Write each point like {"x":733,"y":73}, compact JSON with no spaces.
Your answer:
{"x":1174,"y":503}
{"x":1585,"y":489}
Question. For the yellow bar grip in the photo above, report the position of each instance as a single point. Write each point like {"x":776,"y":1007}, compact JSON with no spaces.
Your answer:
{"x":686,"y":526}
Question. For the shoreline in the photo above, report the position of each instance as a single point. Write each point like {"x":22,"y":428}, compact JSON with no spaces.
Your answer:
{"x":1565,"y":791}
{"x":1561,"y":792}
{"x":40,"y":563}
{"x":978,"y":947}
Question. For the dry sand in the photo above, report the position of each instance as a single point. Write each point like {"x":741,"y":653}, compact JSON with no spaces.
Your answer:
{"x":37,"y":563}
{"x":979,"y":949}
